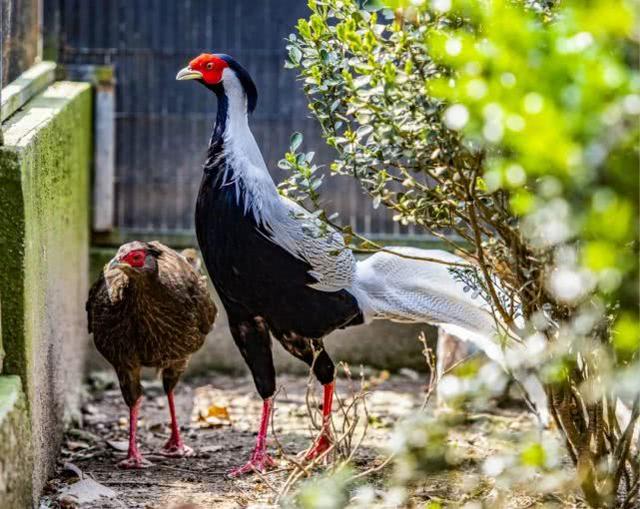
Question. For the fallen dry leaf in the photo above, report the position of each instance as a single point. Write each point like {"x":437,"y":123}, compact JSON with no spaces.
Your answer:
{"x":211,"y":448}
{"x":74,"y":445}
{"x":210,"y":408}
{"x":219,"y":412}
{"x":118,"y":445}
{"x":85,"y":492}
{"x":72,"y":470}
{"x":214,"y":416}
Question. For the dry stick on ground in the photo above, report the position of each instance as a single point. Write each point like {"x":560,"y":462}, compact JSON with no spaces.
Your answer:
{"x":352,"y":407}
{"x":279,"y":446}
{"x":312,"y":405}
{"x":265,"y":481}
{"x":300,"y":470}
{"x":350,"y":451}
{"x":351,"y":417}
{"x":346,"y":421}
{"x":430,"y":358}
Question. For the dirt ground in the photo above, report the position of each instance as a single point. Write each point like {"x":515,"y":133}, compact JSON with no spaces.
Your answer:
{"x":218,"y":416}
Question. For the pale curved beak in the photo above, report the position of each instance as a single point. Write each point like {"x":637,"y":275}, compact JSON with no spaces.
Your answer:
{"x":115,"y":263}
{"x":188,"y":74}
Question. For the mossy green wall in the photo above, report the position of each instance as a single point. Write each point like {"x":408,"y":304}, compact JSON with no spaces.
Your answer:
{"x":15,"y":451}
{"x":44,"y":239}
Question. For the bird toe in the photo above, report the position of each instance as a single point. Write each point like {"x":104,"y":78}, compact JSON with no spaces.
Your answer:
{"x":177,"y":451}
{"x":134,"y":463}
{"x":255,"y":464}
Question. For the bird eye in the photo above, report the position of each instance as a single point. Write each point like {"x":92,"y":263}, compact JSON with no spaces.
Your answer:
{"x":209,"y":66}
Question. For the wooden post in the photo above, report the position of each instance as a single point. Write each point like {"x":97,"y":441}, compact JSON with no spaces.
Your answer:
{"x":104,"y":130}
{"x":105,"y":155}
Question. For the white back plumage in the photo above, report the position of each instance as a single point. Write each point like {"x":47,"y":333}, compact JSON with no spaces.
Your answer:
{"x":288,"y":224}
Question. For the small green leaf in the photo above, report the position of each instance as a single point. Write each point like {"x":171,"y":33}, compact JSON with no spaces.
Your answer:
{"x":361,"y":81}
{"x":284,"y":164}
{"x":534,"y":455}
{"x":364,"y":130}
{"x":374,"y":5}
{"x":626,"y":335}
{"x":295,"y":55}
{"x":295,"y":141}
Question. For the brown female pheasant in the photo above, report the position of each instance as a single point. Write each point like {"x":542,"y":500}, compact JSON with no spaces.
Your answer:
{"x":149,"y":307}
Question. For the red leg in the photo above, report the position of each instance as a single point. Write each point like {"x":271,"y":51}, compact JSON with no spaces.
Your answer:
{"x":259,"y":460}
{"x":134,"y":458}
{"x":325,"y":439}
{"x":175,"y":446}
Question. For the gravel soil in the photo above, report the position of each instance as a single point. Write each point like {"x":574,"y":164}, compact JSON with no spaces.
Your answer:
{"x":218,"y":415}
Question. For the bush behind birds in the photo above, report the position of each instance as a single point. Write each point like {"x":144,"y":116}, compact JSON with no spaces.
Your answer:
{"x":509,"y":130}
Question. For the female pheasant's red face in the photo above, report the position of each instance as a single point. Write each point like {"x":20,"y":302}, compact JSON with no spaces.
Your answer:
{"x":206,"y":67}
{"x":135,"y":258}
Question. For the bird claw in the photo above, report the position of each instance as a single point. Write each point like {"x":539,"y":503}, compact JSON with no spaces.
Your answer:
{"x":134,"y":462}
{"x":259,"y":462}
{"x":176,"y":450}
{"x":323,"y":443}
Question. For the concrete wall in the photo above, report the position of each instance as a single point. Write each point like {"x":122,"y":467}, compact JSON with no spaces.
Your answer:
{"x":15,"y":447}
{"x":382,"y":345}
{"x":44,"y":237}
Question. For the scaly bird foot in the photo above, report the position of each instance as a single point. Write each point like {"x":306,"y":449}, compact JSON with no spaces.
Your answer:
{"x":134,"y":462}
{"x":321,"y":445}
{"x":260,"y":461}
{"x":176,"y":449}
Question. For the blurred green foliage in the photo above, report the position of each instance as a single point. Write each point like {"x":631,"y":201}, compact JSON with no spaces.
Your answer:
{"x":555,"y":104}
{"x":511,"y":126}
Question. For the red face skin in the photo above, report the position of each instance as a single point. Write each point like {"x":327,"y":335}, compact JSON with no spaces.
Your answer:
{"x":210,"y":66}
{"x":135,"y":258}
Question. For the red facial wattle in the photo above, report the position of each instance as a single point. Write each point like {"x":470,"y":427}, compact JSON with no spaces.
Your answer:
{"x":210,"y":66}
{"x":135,"y":258}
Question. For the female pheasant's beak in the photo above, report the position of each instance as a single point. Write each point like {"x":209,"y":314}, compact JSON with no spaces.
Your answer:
{"x":114,"y":264}
{"x":188,"y":74}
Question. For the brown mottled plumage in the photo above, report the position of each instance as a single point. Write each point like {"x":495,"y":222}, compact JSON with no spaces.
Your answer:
{"x":150,"y":307}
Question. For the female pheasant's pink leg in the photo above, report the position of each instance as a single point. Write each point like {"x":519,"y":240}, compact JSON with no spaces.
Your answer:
{"x":259,"y":460}
{"x":134,"y":458}
{"x":175,"y":446}
{"x":325,"y":439}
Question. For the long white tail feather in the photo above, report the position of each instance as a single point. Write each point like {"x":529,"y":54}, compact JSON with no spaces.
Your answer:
{"x":404,"y":289}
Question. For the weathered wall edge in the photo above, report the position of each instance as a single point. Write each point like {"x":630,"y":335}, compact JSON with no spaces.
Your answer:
{"x":44,"y":235}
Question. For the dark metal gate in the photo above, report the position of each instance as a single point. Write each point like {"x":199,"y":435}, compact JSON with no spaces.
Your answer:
{"x":163,"y":126}
{"x":20,"y":37}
